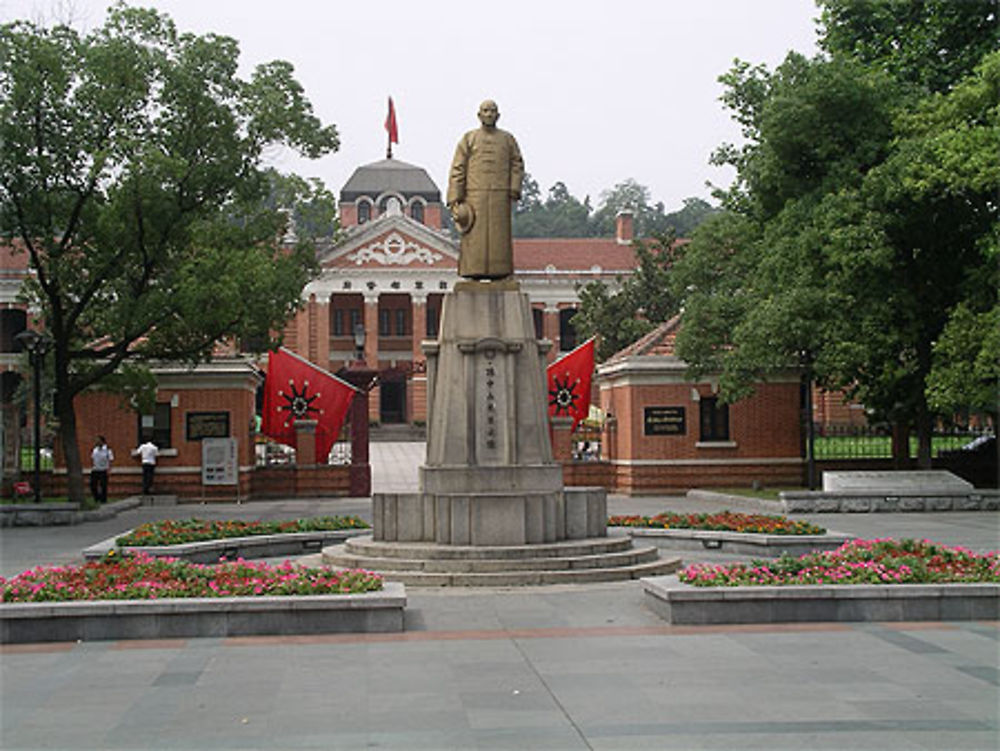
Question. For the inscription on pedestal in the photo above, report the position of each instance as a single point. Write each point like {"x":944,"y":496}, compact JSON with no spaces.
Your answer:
{"x":491,"y":406}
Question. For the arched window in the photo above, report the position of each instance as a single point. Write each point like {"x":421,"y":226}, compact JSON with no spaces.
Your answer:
{"x":364,"y":212}
{"x":417,"y":212}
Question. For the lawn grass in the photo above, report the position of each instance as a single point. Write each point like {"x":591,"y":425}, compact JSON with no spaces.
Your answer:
{"x":879,"y":446}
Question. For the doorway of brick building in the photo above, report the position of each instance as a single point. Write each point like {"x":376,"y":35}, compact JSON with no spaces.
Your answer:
{"x":392,"y":402}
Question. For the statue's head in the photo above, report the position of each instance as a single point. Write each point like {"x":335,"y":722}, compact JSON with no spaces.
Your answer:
{"x":488,"y":113}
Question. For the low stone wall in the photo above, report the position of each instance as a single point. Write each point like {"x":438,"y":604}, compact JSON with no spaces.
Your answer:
{"x":681,"y":603}
{"x":373,"y":612}
{"x":818,"y":502}
{"x":58,"y":514}
{"x":738,"y":542}
{"x":255,"y":546}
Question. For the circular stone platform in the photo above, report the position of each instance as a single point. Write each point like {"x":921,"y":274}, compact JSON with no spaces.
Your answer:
{"x":431,"y":565}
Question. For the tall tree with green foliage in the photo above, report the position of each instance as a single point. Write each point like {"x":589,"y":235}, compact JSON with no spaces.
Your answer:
{"x":130,"y":175}
{"x":560,"y":215}
{"x":640,"y":301}
{"x":931,"y":43}
{"x":867,"y":217}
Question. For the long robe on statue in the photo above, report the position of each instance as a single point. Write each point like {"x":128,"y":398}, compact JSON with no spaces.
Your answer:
{"x":486,"y":173}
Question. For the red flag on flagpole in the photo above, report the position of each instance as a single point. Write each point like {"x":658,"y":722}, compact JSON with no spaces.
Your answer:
{"x":569,"y":383}
{"x":298,"y":390}
{"x":391,"y":128}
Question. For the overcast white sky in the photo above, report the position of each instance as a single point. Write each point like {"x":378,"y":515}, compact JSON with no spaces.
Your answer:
{"x":596,"y":91}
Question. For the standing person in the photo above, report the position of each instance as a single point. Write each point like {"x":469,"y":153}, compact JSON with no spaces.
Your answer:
{"x":100,"y":464}
{"x":484,"y":181}
{"x":147,"y":454}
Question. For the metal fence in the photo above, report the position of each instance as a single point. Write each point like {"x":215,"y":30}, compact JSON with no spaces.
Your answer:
{"x":875,"y":441}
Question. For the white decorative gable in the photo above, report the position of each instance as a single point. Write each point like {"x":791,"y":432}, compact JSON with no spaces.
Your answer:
{"x":394,"y":250}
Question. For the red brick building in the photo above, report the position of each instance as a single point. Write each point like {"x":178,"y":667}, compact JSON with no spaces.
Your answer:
{"x":666,"y":433}
{"x":395,"y":262}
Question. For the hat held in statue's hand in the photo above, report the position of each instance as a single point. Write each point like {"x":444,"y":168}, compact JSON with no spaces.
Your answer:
{"x":464,"y":216}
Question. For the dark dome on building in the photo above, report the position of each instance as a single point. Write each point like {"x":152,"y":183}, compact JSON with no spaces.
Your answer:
{"x":390,"y":176}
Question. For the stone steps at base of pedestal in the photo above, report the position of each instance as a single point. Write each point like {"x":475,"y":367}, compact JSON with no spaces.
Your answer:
{"x":532,"y":578}
{"x":366,"y":546}
{"x":428,"y":565}
{"x":340,"y":557}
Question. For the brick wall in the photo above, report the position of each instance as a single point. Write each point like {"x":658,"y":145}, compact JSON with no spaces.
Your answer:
{"x":764,"y":442}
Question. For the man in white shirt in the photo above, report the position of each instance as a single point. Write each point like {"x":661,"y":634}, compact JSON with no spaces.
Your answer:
{"x":100,"y":464}
{"x":147,"y":453}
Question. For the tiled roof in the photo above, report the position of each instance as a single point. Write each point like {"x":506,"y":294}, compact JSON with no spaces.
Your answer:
{"x":390,"y":175}
{"x":572,"y":254}
{"x":658,"y":342}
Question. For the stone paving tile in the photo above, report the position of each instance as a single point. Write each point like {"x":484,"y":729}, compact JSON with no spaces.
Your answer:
{"x":557,"y":667}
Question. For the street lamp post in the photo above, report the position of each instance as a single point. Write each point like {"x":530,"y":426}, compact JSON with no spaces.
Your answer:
{"x":36,"y":345}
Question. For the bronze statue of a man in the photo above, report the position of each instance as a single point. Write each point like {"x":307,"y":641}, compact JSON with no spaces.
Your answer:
{"x":485,"y":178}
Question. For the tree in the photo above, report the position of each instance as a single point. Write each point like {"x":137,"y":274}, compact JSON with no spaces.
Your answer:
{"x":131,"y":176}
{"x":684,"y":221}
{"x":560,"y":215}
{"x":628,"y":195}
{"x":620,"y":316}
{"x":867,"y":217}
{"x":931,"y":43}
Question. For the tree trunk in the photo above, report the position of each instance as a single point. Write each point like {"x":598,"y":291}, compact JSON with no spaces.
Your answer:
{"x":925,"y":427}
{"x":900,"y":444}
{"x":71,"y":451}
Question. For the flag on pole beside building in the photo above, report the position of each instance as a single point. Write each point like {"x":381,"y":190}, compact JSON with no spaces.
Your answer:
{"x":298,"y":390}
{"x":569,"y":380}
{"x":391,"y":128}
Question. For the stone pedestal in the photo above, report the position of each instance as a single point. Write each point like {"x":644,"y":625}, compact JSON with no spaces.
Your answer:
{"x":490,"y":478}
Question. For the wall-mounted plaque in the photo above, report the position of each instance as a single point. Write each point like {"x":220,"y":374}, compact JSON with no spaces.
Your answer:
{"x":207,"y":425}
{"x":663,"y":421}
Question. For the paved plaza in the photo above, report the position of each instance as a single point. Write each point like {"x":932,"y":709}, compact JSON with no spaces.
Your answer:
{"x":559,"y":667}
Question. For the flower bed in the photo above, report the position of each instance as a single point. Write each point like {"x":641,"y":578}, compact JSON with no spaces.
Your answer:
{"x":858,"y":562}
{"x":723,"y":521}
{"x":178,"y":532}
{"x":143,"y":577}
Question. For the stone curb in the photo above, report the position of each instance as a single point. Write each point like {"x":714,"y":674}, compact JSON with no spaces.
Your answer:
{"x":819,"y":502}
{"x":209,"y":551}
{"x":61,"y":514}
{"x":372,"y":612}
{"x":738,"y":542}
{"x":760,"y":504}
{"x":681,"y":603}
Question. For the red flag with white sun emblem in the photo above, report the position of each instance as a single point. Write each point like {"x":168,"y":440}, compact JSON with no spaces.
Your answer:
{"x":298,"y":390}
{"x":569,"y":383}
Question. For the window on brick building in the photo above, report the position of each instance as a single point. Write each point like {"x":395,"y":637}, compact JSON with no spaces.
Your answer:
{"x":714,"y":419}
{"x":400,"y":322}
{"x":538,"y":316}
{"x":355,"y":320}
{"x":417,"y":212}
{"x":433,"y":318}
{"x":567,"y":334}
{"x":12,"y":323}
{"x":364,"y":212}
{"x":338,"y":323}
{"x":156,"y":426}
{"x":384,"y":323}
